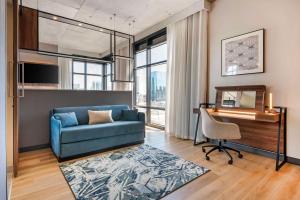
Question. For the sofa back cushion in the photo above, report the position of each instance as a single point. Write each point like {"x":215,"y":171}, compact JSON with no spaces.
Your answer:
{"x":82,"y":112}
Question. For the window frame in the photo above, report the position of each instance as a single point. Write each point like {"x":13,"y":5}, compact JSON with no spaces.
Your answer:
{"x":104,"y":76}
{"x":148,"y":67}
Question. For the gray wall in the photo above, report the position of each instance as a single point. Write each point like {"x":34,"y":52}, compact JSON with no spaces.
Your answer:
{"x":3,"y":192}
{"x":37,"y":104}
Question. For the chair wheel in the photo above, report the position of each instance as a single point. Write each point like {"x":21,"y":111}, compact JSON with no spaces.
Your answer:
{"x":203,"y":150}
{"x":207,"y":158}
{"x":230,"y":162}
{"x":240,"y":155}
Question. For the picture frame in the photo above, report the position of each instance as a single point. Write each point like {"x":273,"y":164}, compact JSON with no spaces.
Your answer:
{"x":243,"y":54}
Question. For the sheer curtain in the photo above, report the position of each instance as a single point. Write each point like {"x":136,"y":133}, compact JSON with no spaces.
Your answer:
{"x":65,"y":73}
{"x":187,"y":73}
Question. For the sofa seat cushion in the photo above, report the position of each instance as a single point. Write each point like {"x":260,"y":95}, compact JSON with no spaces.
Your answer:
{"x":97,"y":131}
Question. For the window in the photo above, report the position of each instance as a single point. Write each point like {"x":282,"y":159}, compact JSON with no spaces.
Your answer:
{"x":140,"y":58}
{"x":141,"y":87}
{"x":159,"y":53}
{"x":151,"y":78}
{"x":108,"y":77}
{"x":91,"y":76}
{"x":158,"y":85}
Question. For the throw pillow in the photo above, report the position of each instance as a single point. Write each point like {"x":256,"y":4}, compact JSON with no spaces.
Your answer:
{"x":98,"y":117}
{"x":130,"y":115}
{"x":67,"y":119}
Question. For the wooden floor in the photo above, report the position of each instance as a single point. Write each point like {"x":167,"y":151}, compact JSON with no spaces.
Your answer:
{"x":252,"y":177}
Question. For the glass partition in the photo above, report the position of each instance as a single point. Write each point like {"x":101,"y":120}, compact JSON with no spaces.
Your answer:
{"x":88,"y":57}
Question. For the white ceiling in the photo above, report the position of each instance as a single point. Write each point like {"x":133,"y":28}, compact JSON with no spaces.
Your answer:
{"x":146,"y":13}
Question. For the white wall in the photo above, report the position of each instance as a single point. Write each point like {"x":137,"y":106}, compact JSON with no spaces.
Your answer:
{"x":280,"y":18}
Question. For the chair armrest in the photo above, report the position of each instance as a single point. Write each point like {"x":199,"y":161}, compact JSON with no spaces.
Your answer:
{"x":141,"y":116}
{"x":55,"y":135}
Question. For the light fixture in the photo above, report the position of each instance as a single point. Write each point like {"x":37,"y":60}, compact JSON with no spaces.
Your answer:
{"x":101,"y":30}
{"x":80,"y":24}
{"x":54,"y":18}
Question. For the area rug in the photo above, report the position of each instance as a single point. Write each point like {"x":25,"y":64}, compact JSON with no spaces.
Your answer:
{"x":137,"y":173}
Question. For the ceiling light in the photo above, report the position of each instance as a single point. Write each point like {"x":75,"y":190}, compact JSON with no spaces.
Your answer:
{"x":101,"y":29}
{"x":80,"y":24}
{"x":54,"y":18}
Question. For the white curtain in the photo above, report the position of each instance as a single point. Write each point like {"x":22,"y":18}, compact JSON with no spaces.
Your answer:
{"x":65,"y":73}
{"x":187,"y":74}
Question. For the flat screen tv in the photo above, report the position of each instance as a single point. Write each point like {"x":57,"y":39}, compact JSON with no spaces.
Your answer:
{"x":40,"y":73}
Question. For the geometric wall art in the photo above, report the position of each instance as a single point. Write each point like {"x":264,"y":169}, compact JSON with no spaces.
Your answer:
{"x":243,"y":54}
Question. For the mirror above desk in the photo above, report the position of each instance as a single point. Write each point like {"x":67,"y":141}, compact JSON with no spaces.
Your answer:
{"x":241,"y":98}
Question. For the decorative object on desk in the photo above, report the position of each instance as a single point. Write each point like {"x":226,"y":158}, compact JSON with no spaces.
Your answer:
{"x":141,"y":172}
{"x":243,"y":54}
{"x":271,"y":110}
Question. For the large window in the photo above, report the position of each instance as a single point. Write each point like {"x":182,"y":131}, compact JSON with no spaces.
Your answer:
{"x":151,"y":77}
{"x":108,"y":77}
{"x":91,"y":76}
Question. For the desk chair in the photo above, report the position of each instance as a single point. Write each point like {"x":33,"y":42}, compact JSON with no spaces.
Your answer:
{"x":220,"y":131}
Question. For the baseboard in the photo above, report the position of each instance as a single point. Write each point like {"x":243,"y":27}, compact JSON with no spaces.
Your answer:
{"x":241,"y":147}
{"x":295,"y":161}
{"x":250,"y":149}
{"x":9,"y":180}
{"x":32,"y":148}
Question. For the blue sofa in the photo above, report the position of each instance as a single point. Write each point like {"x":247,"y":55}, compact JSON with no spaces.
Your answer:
{"x":79,"y":140}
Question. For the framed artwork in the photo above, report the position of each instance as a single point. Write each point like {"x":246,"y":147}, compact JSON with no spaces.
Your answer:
{"x":243,"y":54}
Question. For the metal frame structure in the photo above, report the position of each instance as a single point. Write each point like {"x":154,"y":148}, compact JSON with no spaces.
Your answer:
{"x":110,"y":58}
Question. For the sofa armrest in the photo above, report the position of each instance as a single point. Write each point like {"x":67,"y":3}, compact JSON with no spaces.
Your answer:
{"x":55,"y":135}
{"x":141,"y":116}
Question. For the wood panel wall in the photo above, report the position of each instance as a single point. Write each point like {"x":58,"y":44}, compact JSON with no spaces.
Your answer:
{"x":28,"y":28}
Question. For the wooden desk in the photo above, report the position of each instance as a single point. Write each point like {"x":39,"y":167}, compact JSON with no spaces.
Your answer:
{"x":259,"y":130}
